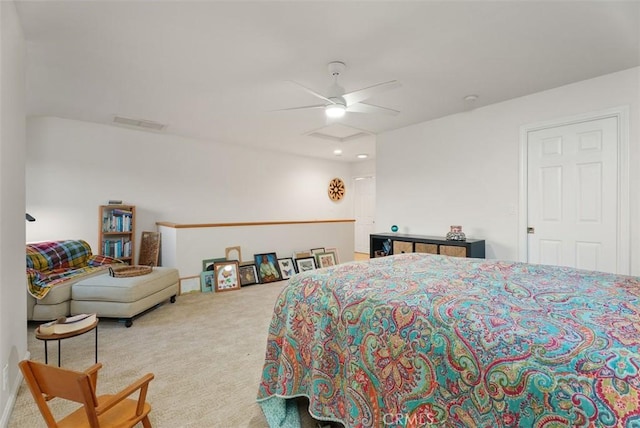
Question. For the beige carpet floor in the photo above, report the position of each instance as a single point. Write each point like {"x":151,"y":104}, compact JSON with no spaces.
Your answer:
{"x":206,"y":351}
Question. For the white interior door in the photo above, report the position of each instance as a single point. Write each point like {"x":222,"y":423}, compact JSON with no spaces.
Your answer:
{"x":572,"y":191}
{"x":364,"y":210}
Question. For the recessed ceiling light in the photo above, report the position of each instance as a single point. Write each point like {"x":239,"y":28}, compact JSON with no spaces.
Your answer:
{"x":362,"y":156}
{"x":471,"y":98}
{"x":337,"y":152}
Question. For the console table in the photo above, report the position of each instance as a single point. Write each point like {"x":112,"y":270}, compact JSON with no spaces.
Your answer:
{"x":397,"y":243}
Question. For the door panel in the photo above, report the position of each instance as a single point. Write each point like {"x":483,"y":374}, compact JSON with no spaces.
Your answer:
{"x":590,"y":193}
{"x":587,"y":254}
{"x":550,"y":252}
{"x":551,"y":182}
{"x":572,"y":195}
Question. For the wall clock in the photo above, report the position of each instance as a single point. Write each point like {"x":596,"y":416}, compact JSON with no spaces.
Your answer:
{"x":336,"y":189}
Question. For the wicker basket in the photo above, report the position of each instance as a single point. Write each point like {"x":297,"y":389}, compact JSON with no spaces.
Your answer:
{"x":128,"y":271}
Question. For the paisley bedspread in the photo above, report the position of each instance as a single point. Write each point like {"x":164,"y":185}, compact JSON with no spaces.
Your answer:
{"x":418,"y":340}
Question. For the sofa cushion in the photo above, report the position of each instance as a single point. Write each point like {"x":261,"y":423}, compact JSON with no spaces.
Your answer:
{"x":61,"y":289}
{"x":131,"y":289}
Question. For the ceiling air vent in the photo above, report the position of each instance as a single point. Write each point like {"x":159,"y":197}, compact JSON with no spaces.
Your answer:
{"x":139,"y":123}
{"x":339,"y":132}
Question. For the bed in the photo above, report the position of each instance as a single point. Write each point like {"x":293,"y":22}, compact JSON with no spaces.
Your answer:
{"x":418,"y":340}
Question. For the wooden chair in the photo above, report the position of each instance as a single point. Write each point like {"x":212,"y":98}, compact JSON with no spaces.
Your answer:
{"x":47,"y":382}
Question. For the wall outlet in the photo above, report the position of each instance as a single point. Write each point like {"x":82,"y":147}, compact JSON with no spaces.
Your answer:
{"x":5,"y":377}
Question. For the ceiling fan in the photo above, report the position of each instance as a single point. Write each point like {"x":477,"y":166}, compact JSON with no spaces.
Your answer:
{"x":337,"y":102}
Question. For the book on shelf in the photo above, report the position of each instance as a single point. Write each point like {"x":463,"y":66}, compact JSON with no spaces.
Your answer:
{"x":117,"y":247}
{"x":118,"y":211}
{"x":67,"y":324}
{"x":117,"y":223}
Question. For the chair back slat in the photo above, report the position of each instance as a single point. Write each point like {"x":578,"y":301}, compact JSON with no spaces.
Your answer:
{"x":49,"y":381}
{"x":59,"y":382}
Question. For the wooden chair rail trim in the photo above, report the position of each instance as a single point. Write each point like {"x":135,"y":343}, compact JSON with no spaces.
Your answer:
{"x":258,"y":223}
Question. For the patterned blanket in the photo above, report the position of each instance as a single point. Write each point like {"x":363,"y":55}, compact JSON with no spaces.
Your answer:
{"x":54,"y":262}
{"x":418,"y":340}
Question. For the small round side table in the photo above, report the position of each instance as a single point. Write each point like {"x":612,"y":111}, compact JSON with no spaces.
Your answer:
{"x":48,"y":337}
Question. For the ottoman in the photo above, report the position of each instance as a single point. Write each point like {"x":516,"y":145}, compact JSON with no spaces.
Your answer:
{"x":124,"y":298}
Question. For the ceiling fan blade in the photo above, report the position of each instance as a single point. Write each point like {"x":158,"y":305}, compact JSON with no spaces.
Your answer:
{"x":312,"y":92}
{"x":301,"y":108}
{"x":363,"y":94}
{"x":369,"y":108}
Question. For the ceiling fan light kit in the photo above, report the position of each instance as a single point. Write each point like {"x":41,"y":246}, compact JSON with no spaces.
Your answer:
{"x":335,"y":110}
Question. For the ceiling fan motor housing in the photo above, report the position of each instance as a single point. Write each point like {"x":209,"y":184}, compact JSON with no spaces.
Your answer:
{"x":336,"y":68}
{"x":335,"y":91}
{"x":338,"y":100}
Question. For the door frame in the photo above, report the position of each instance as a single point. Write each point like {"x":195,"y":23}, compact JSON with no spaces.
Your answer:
{"x":623,"y":218}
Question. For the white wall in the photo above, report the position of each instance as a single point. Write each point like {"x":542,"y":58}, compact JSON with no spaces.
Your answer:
{"x":74,"y":166}
{"x":365,"y":168}
{"x":464,"y":169}
{"x":13,"y":299}
{"x":186,"y":247}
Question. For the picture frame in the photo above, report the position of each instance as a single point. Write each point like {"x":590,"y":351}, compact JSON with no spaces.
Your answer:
{"x":248,"y":274}
{"x":335,"y":253}
{"x":287,"y":267}
{"x":301,"y":254}
{"x":226,"y":275}
{"x":326,"y":259}
{"x":207,"y":264}
{"x":315,"y":251}
{"x":267,"y":265}
{"x":305,"y":264}
{"x":206,"y":281}
{"x":228,"y":253}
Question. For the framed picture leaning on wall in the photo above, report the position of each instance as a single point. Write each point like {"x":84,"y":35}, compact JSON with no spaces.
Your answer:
{"x":287,"y":268}
{"x":268,"y":270}
{"x":248,"y":274}
{"x":206,"y":281}
{"x":326,"y":259}
{"x":335,"y":253}
{"x":301,"y":254}
{"x":227,"y":276}
{"x":305,"y":263}
{"x":318,"y":250}
{"x":207,"y":264}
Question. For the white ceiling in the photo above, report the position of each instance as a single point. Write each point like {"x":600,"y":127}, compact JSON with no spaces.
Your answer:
{"x":217,"y":70}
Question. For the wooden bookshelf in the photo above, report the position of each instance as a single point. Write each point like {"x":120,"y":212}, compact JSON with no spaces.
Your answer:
{"x":117,"y":231}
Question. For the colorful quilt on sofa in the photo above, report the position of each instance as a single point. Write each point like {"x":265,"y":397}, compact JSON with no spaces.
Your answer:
{"x":52,"y":262}
{"x":418,"y":340}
